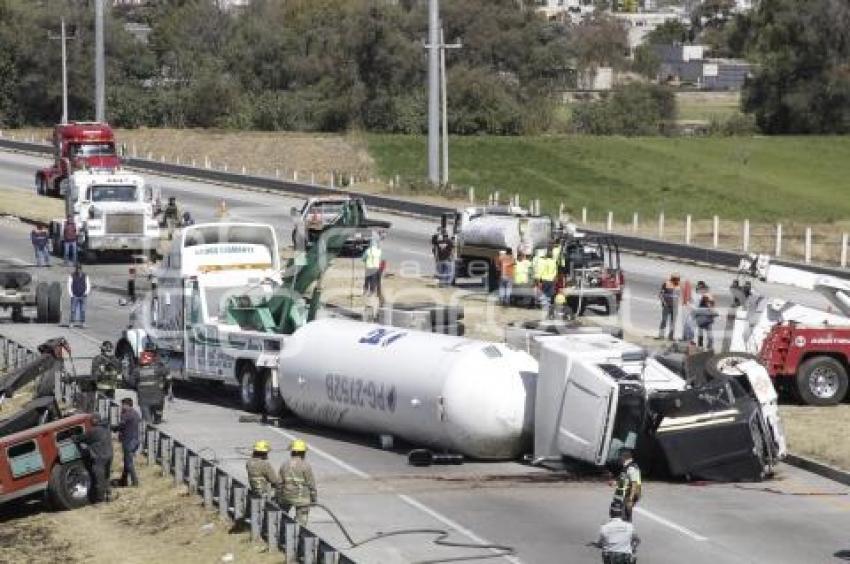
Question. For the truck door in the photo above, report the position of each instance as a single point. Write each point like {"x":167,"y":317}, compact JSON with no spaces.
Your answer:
{"x":194,"y":346}
{"x":587,"y":410}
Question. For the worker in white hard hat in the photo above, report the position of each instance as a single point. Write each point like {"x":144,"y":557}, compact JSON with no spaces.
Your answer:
{"x":262,"y":479}
{"x":298,"y":488}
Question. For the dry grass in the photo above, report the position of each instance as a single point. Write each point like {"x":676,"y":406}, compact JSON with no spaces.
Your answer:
{"x":30,"y":207}
{"x":819,"y":432}
{"x":153,"y":523}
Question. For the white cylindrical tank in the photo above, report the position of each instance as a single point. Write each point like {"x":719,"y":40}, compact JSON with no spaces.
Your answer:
{"x":448,"y":393}
{"x":507,"y":232}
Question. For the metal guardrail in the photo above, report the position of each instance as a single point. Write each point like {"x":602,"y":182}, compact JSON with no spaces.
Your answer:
{"x":205,"y":478}
{"x":653,"y":246}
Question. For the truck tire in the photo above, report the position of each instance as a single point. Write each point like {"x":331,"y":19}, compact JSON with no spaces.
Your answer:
{"x":42,"y":302}
{"x":250,"y":388}
{"x":54,"y":303}
{"x":272,"y":401}
{"x":821,"y":380}
{"x":69,"y":485}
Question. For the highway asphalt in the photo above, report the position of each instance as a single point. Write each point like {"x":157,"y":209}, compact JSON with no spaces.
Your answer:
{"x":547,"y":516}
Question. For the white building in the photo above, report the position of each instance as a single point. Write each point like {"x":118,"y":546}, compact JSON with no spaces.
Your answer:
{"x":640,"y":24}
{"x":574,"y":9}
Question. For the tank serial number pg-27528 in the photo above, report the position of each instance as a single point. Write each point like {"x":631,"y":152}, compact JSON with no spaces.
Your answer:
{"x":360,"y":392}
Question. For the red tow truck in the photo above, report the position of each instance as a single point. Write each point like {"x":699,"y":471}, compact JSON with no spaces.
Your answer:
{"x":76,"y":145}
{"x":806,"y":350}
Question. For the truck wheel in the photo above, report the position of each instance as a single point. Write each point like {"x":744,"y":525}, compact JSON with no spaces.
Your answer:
{"x":54,"y":303}
{"x":725,"y":365}
{"x":250,"y":388}
{"x":69,"y":485}
{"x":821,"y":380}
{"x":272,"y":401}
{"x":42,"y":302}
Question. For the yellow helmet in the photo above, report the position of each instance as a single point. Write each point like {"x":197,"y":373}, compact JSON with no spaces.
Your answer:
{"x":262,"y":446}
{"x":298,"y":445}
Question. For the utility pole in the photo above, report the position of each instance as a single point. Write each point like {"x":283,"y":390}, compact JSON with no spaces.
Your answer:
{"x":99,"y":62}
{"x":445,"y":106}
{"x":63,"y":38}
{"x":433,"y":91}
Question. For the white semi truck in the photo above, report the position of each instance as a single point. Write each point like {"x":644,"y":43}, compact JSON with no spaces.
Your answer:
{"x":113,"y":211}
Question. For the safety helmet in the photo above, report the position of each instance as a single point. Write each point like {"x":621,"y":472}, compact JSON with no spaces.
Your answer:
{"x":106,"y":347}
{"x":298,"y":445}
{"x":262,"y":446}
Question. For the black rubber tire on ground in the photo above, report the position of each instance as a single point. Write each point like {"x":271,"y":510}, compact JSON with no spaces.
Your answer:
{"x":54,"y":303}
{"x":272,"y":401}
{"x":250,"y":388}
{"x":69,"y":485}
{"x":721,"y":366}
{"x":824,"y":367}
{"x":42,"y":302}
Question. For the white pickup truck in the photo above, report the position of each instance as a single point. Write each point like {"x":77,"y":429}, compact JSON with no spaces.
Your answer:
{"x":113,"y":211}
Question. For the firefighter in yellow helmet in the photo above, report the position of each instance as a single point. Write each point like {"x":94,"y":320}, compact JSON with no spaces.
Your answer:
{"x":261,"y":475}
{"x":298,"y":487}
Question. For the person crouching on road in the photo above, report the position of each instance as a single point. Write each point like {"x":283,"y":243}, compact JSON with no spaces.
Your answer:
{"x":98,"y":441}
{"x":128,"y":435}
{"x":79,"y":288}
{"x":617,"y":538}
{"x":298,"y":486}
{"x":262,"y":480}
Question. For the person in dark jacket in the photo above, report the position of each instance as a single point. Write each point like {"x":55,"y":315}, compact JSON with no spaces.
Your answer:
{"x":79,"y":287}
{"x":128,"y":434}
{"x":40,"y":239}
{"x":152,"y":380}
{"x":97,"y":442}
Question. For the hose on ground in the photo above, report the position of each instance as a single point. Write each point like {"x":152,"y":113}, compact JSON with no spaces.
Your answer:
{"x":440,"y":539}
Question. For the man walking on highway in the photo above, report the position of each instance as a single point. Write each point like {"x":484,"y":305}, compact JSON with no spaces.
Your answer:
{"x":40,"y":240}
{"x":547,"y":271}
{"x":505,"y":263}
{"x":617,"y":538}
{"x":298,"y":487}
{"x":69,"y":241}
{"x":262,"y":479}
{"x":443,"y":249}
{"x":98,"y":444}
{"x":628,"y":489}
{"x":152,"y":380}
{"x":128,"y":435}
{"x":372,"y":258}
{"x":79,"y":287}
{"x":669,"y":296}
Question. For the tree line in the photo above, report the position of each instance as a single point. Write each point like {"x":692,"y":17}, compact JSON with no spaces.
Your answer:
{"x":334,"y":65}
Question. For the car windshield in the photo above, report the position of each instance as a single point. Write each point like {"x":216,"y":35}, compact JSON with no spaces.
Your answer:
{"x":93,"y":150}
{"x":112,"y":193}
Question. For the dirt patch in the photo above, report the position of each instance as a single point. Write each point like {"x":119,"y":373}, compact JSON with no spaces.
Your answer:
{"x":153,"y":523}
{"x":32,"y":207}
{"x":818,"y":432}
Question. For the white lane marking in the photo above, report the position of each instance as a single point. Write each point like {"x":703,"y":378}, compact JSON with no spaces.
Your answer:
{"x":405,"y":498}
{"x":328,"y":456}
{"x":676,"y":527}
{"x":451,"y":524}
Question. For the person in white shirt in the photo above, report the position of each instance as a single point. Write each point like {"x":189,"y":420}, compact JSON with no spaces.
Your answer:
{"x":617,"y":538}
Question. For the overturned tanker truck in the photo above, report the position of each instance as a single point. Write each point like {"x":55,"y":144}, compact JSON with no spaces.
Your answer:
{"x":585,"y":397}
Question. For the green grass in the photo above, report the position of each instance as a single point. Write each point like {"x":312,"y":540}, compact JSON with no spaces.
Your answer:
{"x":759,"y":178}
{"x":705,"y":106}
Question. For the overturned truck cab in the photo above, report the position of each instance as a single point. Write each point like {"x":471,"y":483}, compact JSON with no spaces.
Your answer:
{"x":708,"y":417}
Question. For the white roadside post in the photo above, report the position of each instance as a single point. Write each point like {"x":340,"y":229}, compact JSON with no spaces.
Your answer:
{"x":715,"y":232}
{"x":472,"y":195}
{"x":778,"y":249}
{"x":584,"y":216}
{"x":635,"y":222}
{"x":745,"y":243}
{"x":661,"y":225}
{"x":609,"y":225}
{"x":844,"y":242}
{"x":688,"y":229}
{"x":808,"y":245}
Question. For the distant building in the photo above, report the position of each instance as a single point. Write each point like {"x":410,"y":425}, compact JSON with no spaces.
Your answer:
{"x":687,"y":64}
{"x":640,"y":24}
{"x":573,"y":10}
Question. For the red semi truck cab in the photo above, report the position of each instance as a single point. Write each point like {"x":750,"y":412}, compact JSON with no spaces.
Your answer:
{"x":812,"y":361}
{"x":77,"y":145}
